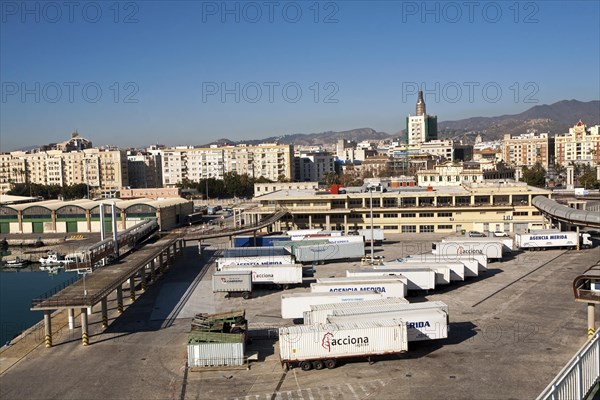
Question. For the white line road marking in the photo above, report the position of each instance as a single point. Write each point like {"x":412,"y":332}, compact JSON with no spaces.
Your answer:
{"x":352,"y":390}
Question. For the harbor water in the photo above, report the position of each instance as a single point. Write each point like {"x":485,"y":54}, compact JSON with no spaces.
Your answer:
{"x":17,"y":288}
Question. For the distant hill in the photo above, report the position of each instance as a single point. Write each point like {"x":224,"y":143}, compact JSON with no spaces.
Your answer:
{"x":554,"y":118}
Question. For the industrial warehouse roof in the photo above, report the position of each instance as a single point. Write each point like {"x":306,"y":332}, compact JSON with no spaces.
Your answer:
{"x":85,"y":204}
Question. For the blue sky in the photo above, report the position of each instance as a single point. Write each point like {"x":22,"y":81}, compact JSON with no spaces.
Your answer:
{"x":136,"y":73}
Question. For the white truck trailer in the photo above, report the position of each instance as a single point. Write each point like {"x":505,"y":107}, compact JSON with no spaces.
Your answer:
{"x":319,"y":346}
{"x":459,"y":270}
{"x":421,"y":324}
{"x":508,"y":245}
{"x":301,"y":233}
{"x":543,"y":241}
{"x":286,"y":274}
{"x":243,"y":252}
{"x":449,"y":250}
{"x":233,"y":282}
{"x":319,"y":253}
{"x":442,"y":272}
{"x":254,"y":260}
{"x":390,"y":286}
{"x":418,"y":278}
{"x":318,"y":313}
{"x":378,"y":235}
{"x":293,"y":305}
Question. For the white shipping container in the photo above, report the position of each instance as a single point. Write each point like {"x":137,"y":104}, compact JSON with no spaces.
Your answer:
{"x":347,"y":279}
{"x":215,"y":354}
{"x":332,"y":341}
{"x":443,"y":273}
{"x":301,"y":233}
{"x":491,"y":250}
{"x":418,"y":278}
{"x":293,"y":305}
{"x":459,"y":269}
{"x":265,"y":274}
{"x":546,"y":240}
{"x":318,"y":313}
{"x":390,"y":288}
{"x":423,"y":324}
{"x":314,"y":253}
{"x":232,"y":281}
{"x":507,"y":243}
{"x":319,"y":316}
{"x":378,"y":234}
{"x":254,"y":260}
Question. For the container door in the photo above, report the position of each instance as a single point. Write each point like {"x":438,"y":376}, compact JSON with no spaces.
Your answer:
{"x":4,"y":227}
{"x":71,"y":226}
{"x":38,"y":227}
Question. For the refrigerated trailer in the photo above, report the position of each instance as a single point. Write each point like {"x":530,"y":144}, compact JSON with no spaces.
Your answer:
{"x":294,"y":305}
{"x":459,"y":270}
{"x":319,"y":346}
{"x":319,"y":253}
{"x":255,"y":260}
{"x":392,"y":287}
{"x":421,"y":324}
{"x":233,"y":282}
{"x":490,"y":250}
{"x":543,"y":241}
{"x":301,"y":233}
{"x":241,"y":252}
{"x":472,"y":264}
{"x":285,"y":274}
{"x":318,"y":313}
{"x":418,"y":278}
{"x":507,"y":243}
{"x":442,"y":272}
{"x":378,"y":235}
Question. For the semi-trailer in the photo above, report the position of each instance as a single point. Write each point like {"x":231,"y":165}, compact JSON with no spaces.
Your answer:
{"x":378,"y":235}
{"x":392,"y":287}
{"x":442,"y":272}
{"x":320,"y":253}
{"x":241,"y":252}
{"x":284,"y":274}
{"x":301,"y":233}
{"x":256,"y":260}
{"x":543,"y":241}
{"x":491,"y":250}
{"x":421,"y":324}
{"x":459,"y":270}
{"x":508,"y":245}
{"x":293,"y":305}
{"x":418,"y":278}
{"x":319,"y":346}
{"x":233,"y":282}
{"x":318,"y":313}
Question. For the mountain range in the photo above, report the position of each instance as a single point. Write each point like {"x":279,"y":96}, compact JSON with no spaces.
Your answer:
{"x":554,"y":118}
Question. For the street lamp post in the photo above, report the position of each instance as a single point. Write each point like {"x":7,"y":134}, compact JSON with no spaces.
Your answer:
{"x":372,"y":241}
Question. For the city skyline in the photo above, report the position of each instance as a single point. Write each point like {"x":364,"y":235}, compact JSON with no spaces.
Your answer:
{"x":190,"y":73}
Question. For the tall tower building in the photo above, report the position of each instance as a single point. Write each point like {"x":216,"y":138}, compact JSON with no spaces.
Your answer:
{"x":421,"y":127}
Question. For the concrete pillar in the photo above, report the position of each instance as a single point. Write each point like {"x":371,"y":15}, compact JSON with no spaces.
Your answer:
{"x":132,"y":288}
{"x":90,"y":310}
{"x":310,"y":225}
{"x":142,"y":273}
{"x":104,"y":304}
{"x":71,"y":316}
{"x":591,"y":319}
{"x":345,"y":224}
{"x":120,"y":299}
{"x":85,"y":340}
{"x":570,"y":177}
{"x":48,"y":328}
{"x":254,"y":238}
{"x":577,"y":230}
{"x":153,"y":263}
{"x":327,"y":222}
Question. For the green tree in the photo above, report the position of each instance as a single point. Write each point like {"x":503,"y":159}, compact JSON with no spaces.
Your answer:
{"x":535,"y":176}
{"x":331,"y":178}
{"x":587,"y":179}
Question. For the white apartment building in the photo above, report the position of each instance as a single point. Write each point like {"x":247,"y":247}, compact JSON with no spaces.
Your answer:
{"x":581,"y":145}
{"x":527,"y":149}
{"x":313,"y":167}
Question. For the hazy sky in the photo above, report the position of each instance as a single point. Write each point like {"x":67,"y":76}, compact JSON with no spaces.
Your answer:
{"x":135,"y":73}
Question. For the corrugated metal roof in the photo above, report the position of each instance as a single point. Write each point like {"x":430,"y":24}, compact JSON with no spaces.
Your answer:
{"x":560,"y":211}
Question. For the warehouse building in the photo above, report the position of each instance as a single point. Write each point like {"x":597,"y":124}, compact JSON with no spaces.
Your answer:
{"x":83,"y":216}
{"x":482,"y":206}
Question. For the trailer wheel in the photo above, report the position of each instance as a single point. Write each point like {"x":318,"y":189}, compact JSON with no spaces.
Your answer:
{"x":305,"y":366}
{"x":318,"y":365}
{"x":286,"y":287}
{"x":246,"y":295}
{"x":330,"y":364}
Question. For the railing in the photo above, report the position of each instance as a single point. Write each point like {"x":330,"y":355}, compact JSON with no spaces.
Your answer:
{"x":45,"y":296}
{"x":579,"y":376}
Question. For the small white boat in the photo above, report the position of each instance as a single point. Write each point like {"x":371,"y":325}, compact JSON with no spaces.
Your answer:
{"x":53,"y":258}
{"x":51,"y":269}
{"x":17,"y":263}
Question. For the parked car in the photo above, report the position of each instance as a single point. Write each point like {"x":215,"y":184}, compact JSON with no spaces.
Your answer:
{"x":475,"y":234}
{"x":500,"y":234}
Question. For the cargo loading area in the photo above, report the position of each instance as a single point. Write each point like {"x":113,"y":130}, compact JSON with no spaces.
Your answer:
{"x":511,"y":330}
